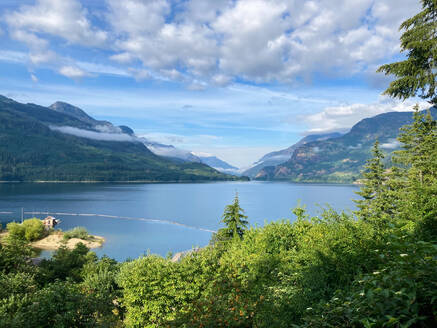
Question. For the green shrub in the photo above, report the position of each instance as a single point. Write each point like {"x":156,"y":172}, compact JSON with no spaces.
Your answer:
{"x":34,"y":229}
{"x":30,"y":230}
{"x":60,"y":304}
{"x":65,"y":264}
{"x":16,"y":231}
{"x":77,"y":232}
{"x":401,"y":293}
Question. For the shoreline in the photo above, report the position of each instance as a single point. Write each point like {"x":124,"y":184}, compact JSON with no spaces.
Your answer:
{"x":90,"y":182}
{"x":120,"y":181}
{"x":56,"y":239}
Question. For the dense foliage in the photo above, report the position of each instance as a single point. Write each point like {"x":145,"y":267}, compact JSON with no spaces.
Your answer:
{"x":340,"y":159}
{"x":417,"y":74}
{"x":77,"y":232}
{"x":375,"y":267}
{"x":31,"y":151}
{"x":30,"y":229}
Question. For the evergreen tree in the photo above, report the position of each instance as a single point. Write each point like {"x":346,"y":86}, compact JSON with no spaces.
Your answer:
{"x":372,"y":186}
{"x":235,"y":220}
{"x":419,"y":157}
{"x":417,"y":74}
{"x":419,"y":144}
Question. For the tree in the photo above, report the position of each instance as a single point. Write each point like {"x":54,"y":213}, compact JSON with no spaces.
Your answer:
{"x":419,"y":157}
{"x":419,"y":147}
{"x":16,"y":231}
{"x":373,"y":183}
{"x":417,"y":74}
{"x":234,"y":219}
{"x":34,"y":229}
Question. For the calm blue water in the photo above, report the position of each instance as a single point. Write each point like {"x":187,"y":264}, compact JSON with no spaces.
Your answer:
{"x":196,"y":205}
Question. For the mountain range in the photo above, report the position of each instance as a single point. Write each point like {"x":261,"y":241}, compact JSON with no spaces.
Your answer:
{"x":278,"y":157}
{"x":338,"y":158}
{"x":63,"y":143}
{"x":159,"y":149}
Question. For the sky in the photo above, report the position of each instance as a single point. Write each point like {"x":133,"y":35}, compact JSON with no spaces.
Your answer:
{"x":232,"y":78}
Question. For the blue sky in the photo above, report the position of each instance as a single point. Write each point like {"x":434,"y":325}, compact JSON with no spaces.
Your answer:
{"x":236,"y":79}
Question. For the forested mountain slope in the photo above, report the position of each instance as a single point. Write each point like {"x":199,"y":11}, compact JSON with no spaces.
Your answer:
{"x":32,"y":149}
{"x":341,"y":159}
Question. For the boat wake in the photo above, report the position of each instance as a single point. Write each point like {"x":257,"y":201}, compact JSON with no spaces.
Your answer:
{"x":122,"y":218}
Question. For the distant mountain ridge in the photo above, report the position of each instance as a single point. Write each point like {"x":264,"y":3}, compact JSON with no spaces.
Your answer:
{"x":63,"y":143}
{"x":281,"y":156}
{"x":218,"y":164}
{"x":341,"y":159}
{"x":159,"y":149}
{"x":65,"y":108}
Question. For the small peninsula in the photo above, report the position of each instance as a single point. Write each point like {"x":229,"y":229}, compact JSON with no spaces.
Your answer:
{"x":57,"y":239}
{"x":40,"y":234}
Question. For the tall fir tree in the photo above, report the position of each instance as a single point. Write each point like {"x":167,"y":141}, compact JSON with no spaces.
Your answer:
{"x":419,"y":157}
{"x":416,"y":75}
{"x":235,"y":220}
{"x":372,"y":185}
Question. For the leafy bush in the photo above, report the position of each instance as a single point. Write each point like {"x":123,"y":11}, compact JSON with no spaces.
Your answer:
{"x":267,"y":278}
{"x":60,"y":304}
{"x":99,"y":282}
{"x":77,"y":232}
{"x":65,"y":263}
{"x":34,"y":229}
{"x":401,"y":293}
{"x":30,"y":230}
{"x":16,"y":231}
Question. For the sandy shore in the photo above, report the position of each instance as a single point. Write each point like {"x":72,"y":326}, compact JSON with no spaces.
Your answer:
{"x":55,"y":240}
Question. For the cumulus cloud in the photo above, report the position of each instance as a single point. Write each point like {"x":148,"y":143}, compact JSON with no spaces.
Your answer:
{"x":338,"y":118}
{"x":93,"y":135}
{"x":214,"y":42}
{"x":66,"y":19}
{"x":33,"y":77}
{"x":49,"y":20}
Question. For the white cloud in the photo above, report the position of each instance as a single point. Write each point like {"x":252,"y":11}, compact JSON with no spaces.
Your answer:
{"x":337,"y":118}
{"x":221,"y":79}
{"x":123,"y":57}
{"x":219,"y":41}
{"x":258,"y":40}
{"x":392,"y":144}
{"x":180,"y":140}
{"x":47,"y":20}
{"x":62,"y":18}
{"x":72,"y":72}
{"x":33,"y":77}
{"x":102,"y":69}
{"x":13,"y":56}
{"x":93,"y":135}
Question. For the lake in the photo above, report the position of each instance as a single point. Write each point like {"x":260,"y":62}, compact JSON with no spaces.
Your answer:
{"x":162,"y":218}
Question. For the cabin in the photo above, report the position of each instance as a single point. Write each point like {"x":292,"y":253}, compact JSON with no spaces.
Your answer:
{"x":49,"y":222}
